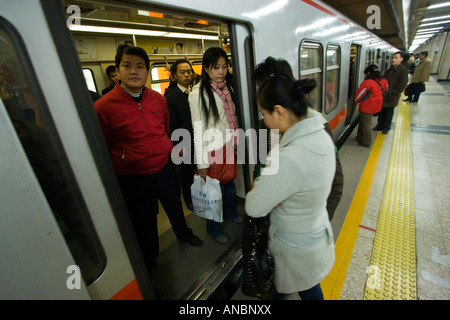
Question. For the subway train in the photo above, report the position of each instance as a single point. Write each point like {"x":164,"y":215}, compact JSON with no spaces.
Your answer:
{"x":64,"y":228}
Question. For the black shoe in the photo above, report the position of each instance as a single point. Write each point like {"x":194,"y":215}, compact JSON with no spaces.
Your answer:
{"x":377,"y":128}
{"x":385,"y":131}
{"x":407,"y":99}
{"x":194,"y":241}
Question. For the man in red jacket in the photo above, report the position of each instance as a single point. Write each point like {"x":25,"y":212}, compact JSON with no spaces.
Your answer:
{"x":135,"y":123}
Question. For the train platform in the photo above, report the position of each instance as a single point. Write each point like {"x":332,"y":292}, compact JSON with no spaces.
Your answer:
{"x":392,"y":227}
{"x":395,"y":241}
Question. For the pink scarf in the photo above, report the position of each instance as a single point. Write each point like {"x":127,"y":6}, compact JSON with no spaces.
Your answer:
{"x":222,"y":90}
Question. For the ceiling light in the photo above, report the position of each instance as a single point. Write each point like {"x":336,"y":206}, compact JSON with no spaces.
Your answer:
{"x":140,"y":32}
{"x":429,"y":29}
{"x":75,"y":27}
{"x":440,"y":5}
{"x":434,"y":23}
{"x":436,"y":18}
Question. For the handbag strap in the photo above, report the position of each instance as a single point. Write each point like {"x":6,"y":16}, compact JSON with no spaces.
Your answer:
{"x":381,"y":87}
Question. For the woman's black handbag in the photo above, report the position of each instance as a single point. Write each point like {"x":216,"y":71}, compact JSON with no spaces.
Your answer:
{"x":258,"y":268}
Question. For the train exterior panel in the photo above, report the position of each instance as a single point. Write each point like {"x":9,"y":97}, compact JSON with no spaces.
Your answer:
{"x":36,"y":250}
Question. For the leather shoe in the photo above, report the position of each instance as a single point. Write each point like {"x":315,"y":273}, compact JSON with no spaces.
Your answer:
{"x":238,"y":220}
{"x":385,"y":131}
{"x":222,"y":239}
{"x":194,"y":241}
{"x":377,"y":128}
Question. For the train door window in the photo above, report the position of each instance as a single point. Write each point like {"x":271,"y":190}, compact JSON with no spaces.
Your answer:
{"x":310,"y":61}
{"x":333,"y":66}
{"x":89,"y":78}
{"x":197,"y":66}
{"x":160,"y":77}
{"x":28,"y":112}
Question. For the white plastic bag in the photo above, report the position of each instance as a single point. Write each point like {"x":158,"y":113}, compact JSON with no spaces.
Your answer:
{"x":207,"y":198}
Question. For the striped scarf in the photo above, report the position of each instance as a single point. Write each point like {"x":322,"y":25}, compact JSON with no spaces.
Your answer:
{"x":222,"y":91}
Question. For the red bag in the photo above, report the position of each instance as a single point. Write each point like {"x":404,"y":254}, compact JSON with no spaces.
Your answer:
{"x":222,"y":163}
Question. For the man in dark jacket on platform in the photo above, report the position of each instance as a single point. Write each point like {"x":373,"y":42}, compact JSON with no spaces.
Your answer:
{"x":397,"y":77}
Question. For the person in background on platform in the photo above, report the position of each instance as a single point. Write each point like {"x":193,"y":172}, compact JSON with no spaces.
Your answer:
{"x":271,"y":66}
{"x":300,"y":233}
{"x":135,"y":124}
{"x":397,"y":78}
{"x":113,"y":77}
{"x":180,"y":118}
{"x":370,"y":98}
{"x":213,"y":110}
{"x":420,"y":76}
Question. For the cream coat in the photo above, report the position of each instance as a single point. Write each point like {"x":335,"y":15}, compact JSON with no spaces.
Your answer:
{"x":301,"y":237}
{"x":208,"y":136}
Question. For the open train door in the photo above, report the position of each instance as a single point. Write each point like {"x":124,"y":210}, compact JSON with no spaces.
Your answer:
{"x":355,"y":56}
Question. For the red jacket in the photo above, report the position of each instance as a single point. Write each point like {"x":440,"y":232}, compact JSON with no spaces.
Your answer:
{"x":136,"y":133}
{"x":373,"y":103}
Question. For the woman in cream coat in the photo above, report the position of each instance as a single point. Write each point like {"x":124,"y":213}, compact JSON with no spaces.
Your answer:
{"x":300,"y":234}
{"x":214,"y":121}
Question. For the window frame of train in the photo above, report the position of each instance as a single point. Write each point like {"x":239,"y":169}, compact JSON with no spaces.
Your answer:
{"x":28,"y":111}
{"x":336,"y":70}
{"x":90,"y":79}
{"x":316,"y":96}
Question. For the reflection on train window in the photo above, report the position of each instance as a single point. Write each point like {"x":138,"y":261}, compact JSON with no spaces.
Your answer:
{"x":332,"y":78}
{"x":311,"y":67}
{"x":89,"y":78}
{"x":29,"y":114}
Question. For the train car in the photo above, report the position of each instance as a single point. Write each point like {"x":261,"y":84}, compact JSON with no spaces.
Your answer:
{"x":65,"y":232}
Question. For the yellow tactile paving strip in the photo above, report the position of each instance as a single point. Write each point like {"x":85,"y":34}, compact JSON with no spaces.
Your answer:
{"x":392,"y":271}
{"x":333,"y":283}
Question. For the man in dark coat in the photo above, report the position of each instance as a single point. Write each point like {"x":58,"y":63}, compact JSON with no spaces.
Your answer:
{"x":397,"y":77}
{"x":180,"y":118}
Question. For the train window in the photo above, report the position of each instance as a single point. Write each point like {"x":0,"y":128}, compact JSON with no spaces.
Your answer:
{"x":26,"y":107}
{"x":310,"y":62}
{"x":370,"y":54}
{"x":332,"y":78}
{"x":89,"y":78}
{"x":160,"y":77}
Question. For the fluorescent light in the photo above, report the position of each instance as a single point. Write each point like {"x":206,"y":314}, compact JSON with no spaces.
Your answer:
{"x":140,"y":32}
{"x":436,"y":18}
{"x":190,"y":36}
{"x":440,"y":5}
{"x":434,"y":23}
{"x":429,"y":29}
{"x":75,"y":27}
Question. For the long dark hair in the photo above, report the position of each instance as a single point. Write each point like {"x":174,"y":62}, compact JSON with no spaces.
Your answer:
{"x":210,"y":58}
{"x":283,"y":90}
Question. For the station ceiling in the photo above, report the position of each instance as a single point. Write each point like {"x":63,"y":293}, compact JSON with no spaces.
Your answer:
{"x":399,"y":19}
